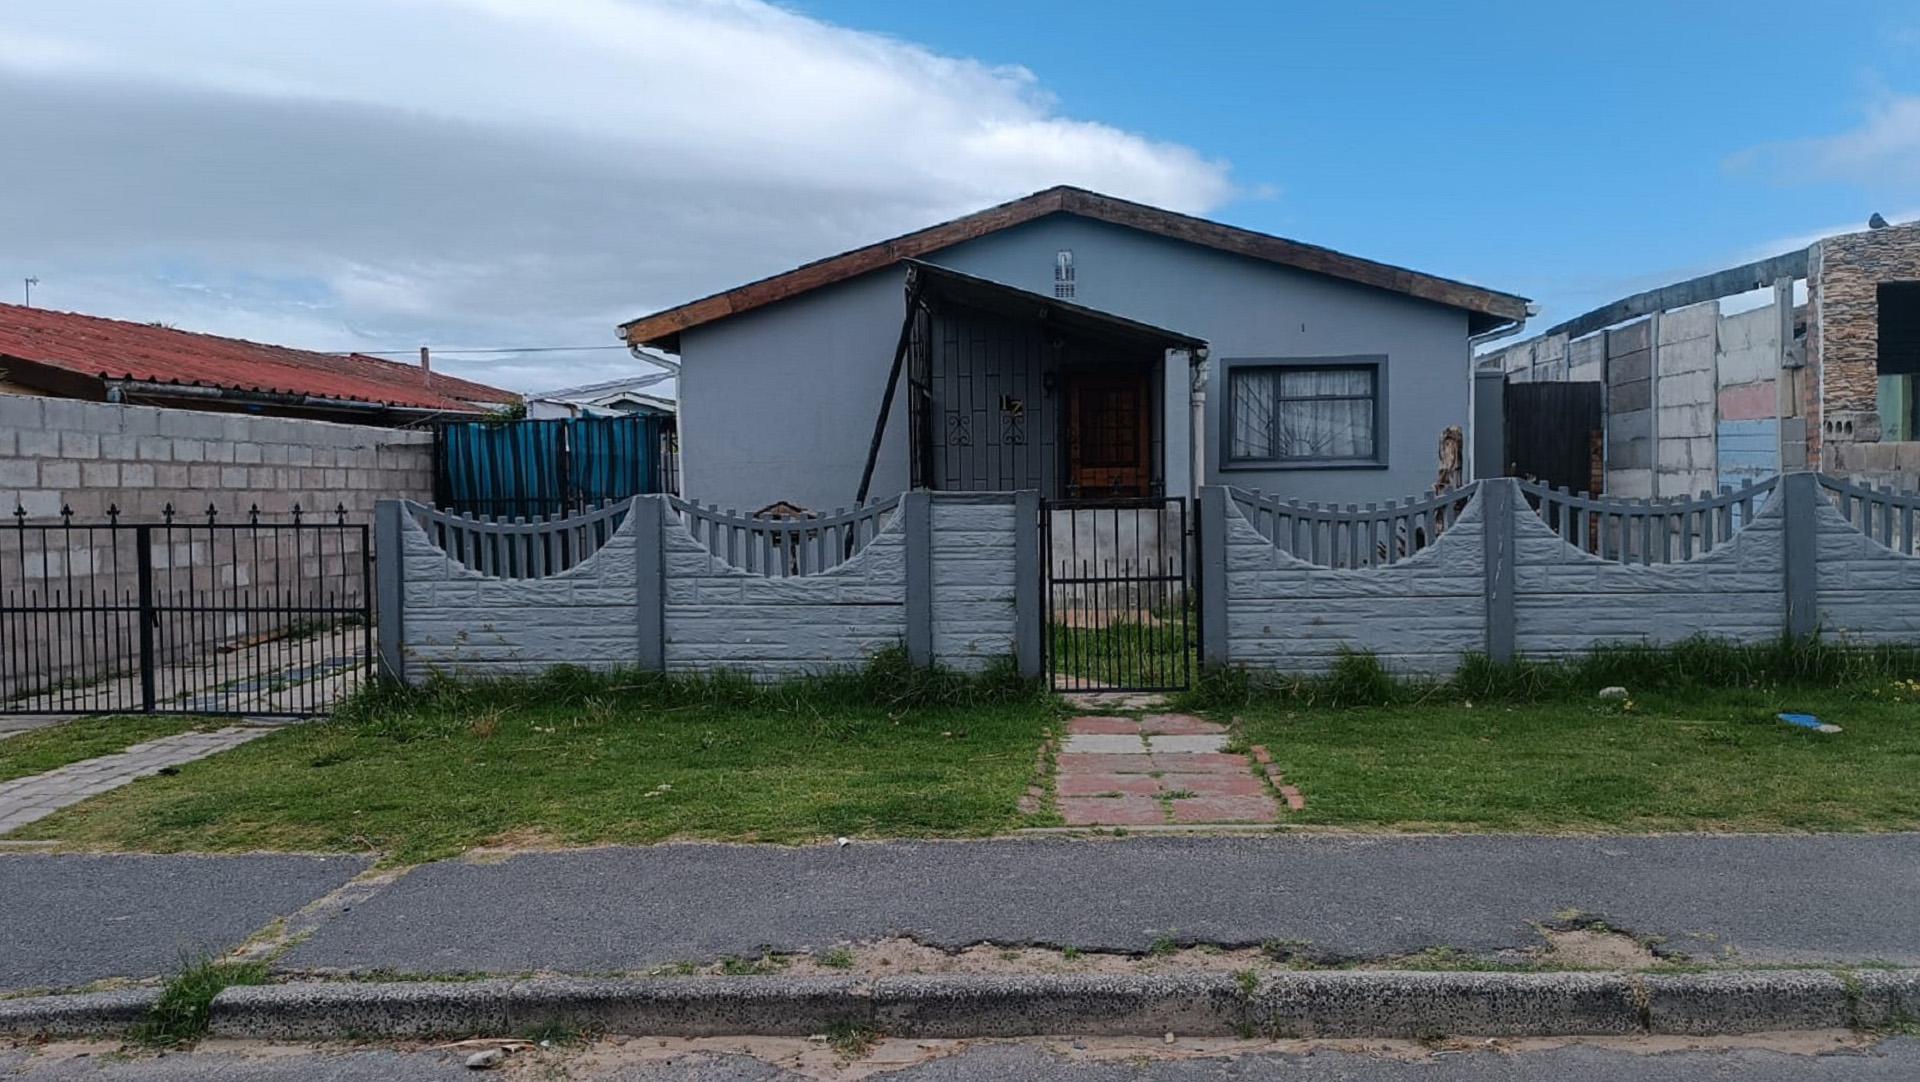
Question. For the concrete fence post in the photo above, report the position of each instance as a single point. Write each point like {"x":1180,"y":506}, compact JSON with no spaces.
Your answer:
{"x":1215,"y":650}
{"x":917,"y":506}
{"x":1499,"y":502}
{"x":389,"y":570}
{"x":1029,"y":622}
{"x":650,"y":570}
{"x":1801,"y":491}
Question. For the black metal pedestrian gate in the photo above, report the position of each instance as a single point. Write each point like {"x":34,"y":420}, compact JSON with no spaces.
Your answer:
{"x":1120,"y":601}
{"x":187,"y":614}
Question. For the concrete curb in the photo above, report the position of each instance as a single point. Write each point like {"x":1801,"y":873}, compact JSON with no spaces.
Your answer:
{"x":77,"y":1015}
{"x":1305,"y":1004}
{"x":1353,"y":1003}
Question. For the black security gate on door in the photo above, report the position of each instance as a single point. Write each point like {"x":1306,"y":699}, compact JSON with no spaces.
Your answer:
{"x":1120,"y":600}
{"x":187,"y":614}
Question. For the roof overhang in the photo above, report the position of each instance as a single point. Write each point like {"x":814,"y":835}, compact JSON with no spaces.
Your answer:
{"x":939,"y":284}
{"x":1487,"y":309}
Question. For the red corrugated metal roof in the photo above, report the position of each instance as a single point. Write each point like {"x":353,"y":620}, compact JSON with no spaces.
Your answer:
{"x":111,"y":349}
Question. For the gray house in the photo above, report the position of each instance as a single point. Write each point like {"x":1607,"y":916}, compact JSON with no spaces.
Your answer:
{"x":1077,"y":344}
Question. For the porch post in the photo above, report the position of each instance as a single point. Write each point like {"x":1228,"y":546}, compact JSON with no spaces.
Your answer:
{"x":1176,"y":440}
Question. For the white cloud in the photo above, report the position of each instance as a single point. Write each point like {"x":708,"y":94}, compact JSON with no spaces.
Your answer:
{"x":1881,"y":153}
{"x":492,"y":172}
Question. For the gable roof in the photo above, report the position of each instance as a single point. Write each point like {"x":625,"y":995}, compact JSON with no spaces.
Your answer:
{"x":112,"y":349}
{"x":1488,"y":307}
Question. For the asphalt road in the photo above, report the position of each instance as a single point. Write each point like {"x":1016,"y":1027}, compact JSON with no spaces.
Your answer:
{"x":68,"y":920}
{"x":1758,"y":899}
{"x":1892,"y":1060}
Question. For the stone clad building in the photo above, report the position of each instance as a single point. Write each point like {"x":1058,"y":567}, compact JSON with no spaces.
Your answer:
{"x":1863,"y":340}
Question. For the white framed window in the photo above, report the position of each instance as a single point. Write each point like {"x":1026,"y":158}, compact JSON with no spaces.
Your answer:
{"x":1305,"y":411}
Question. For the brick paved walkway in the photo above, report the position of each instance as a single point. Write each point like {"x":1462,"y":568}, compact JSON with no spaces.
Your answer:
{"x":1159,"y":769}
{"x":24,"y":800}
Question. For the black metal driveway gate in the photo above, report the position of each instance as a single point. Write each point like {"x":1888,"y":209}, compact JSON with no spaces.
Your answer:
{"x":1120,"y":603}
{"x":184,"y":615}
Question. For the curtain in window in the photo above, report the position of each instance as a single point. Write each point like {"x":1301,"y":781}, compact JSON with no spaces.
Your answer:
{"x":1302,"y":413}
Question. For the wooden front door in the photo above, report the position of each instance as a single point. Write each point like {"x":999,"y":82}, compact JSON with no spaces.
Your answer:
{"x":1109,"y":434}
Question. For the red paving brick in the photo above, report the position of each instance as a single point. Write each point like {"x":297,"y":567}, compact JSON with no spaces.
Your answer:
{"x":1122,"y":789}
{"x":1198,"y":762}
{"x":1178,"y":725}
{"x":1225,"y":809}
{"x":1113,"y":726}
{"x":1214,"y":784}
{"x":1125,"y":811}
{"x":1097,"y":784}
{"x":1105,"y":762}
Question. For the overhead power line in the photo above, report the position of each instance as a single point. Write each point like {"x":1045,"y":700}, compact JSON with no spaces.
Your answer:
{"x":499,"y":349}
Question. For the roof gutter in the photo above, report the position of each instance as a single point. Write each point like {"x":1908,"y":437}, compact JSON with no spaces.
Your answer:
{"x":119,"y":389}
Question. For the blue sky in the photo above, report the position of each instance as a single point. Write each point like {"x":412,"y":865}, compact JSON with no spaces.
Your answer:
{"x":1572,"y":153}
{"x":478,"y":174}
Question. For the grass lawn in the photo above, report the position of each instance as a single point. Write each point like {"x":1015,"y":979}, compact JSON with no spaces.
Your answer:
{"x":432,"y":777}
{"x":41,"y":750}
{"x":1699,"y":760}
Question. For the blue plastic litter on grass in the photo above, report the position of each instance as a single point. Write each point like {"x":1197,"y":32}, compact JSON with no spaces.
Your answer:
{"x":1808,"y":721}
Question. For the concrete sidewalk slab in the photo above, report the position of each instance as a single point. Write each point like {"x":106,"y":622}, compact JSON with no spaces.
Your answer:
{"x":66,"y":920}
{"x":1758,"y":899}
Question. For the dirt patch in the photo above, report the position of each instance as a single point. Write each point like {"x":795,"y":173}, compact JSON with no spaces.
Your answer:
{"x":1587,"y":948}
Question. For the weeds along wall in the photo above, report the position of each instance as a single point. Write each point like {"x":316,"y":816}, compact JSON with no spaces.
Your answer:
{"x":659,"y":583}
{"x":1508,"y":568}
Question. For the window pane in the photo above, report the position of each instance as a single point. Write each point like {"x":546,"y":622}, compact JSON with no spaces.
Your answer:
{"x":1302,"y":413}
{"x":1250,"y":414}
{"x":1325,"y":428}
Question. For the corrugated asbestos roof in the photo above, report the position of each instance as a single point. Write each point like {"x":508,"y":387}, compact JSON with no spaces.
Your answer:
{"x":111,"y":349}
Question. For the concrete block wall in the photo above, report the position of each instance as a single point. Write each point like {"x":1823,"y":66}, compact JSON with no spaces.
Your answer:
{"x":1630,"y":413}
{"x":1685,"y":462}
{"x":58,"y":452}
{"x":1419,"y":615}
{"x":1748,"y":430}
{"x":91,"y":456}
{"x":460,"y":622}
{"x":1567,"y":601}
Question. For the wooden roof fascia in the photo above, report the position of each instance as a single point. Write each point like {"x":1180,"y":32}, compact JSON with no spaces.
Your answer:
{"x":664,"y":327}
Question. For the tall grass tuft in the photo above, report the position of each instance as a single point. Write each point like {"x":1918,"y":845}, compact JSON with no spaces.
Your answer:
{"x":1699,"y":664}
{"x":887,"y":681}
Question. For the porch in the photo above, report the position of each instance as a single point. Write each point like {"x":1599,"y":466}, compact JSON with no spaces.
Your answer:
{"x":1008,"y":389}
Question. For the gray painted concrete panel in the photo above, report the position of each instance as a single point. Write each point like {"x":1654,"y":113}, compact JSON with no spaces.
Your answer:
{"x":458,"y":620}
{"x":974,"y":581}
{"x":720,"y":617}
{"x":1418,"y":616}
{"x":1569,"y":601}
{"x":1866,"y":592}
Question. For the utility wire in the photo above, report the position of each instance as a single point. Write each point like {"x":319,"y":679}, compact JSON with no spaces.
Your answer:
{"x":504,"y":349}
